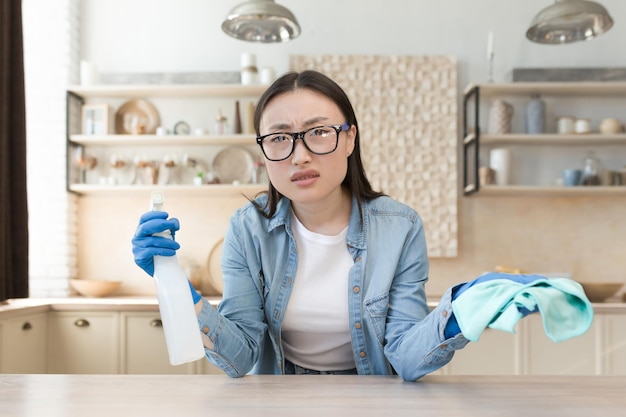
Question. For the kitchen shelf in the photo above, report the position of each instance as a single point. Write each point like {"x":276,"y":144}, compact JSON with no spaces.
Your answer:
{"x":214,"y":190}
{"x":563,"y":89}
{"x":549,"y":191}
{"x":77,"y":142}
{"x":165,"y":140}
{"x":474,"y":138}
{"x":168,"y":90}
{"x":550,"y":139}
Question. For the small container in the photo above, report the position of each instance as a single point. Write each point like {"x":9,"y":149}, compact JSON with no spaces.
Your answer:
{"x":610,"y":126}
{"x":565,"y":124}
{"x":249,"y":70}
{"x":591,"y":174}
{"x":268,"y":75}
{"x":485,"y":175}
{"x":582,"y":125}
{"x":220,"y":123}
{"x":500,"y":163}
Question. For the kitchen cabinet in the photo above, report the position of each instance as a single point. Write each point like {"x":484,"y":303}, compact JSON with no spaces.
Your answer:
{"x":538,"y":159}
{"x":83,"y":342}
{"x":143,"y":348}
{"x":599,"y":351}
{"x":195,"y":105}
{"x":542,"y":356}
{"x":613,"y":350}
{"x":23,"y":344}
{"x":495,"y":353}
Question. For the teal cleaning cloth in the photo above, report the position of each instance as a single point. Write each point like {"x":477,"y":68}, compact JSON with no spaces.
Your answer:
{"x":565,"y":309}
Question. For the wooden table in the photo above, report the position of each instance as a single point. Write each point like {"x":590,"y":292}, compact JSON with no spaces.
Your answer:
{"x":310,"y":395}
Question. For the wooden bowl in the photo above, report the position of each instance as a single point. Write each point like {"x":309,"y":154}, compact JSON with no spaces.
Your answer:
{"x":600,"y":291}
{"x":94,"y":287}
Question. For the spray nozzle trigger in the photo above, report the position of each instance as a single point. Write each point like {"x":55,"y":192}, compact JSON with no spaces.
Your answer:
{"x":156,"y":201}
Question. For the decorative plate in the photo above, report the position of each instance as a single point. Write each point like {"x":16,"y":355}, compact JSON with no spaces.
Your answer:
{"x":135,"y":117}
{"x":233,"y":164}
{"x":215,"y":267}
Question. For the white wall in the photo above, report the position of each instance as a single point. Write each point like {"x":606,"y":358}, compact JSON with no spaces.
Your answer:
{"x":185,"y":35}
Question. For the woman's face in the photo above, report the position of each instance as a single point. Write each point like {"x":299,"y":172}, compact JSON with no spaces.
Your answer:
{"x":305,"y":177}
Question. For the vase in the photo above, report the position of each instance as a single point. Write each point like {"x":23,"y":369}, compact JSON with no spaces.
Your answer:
{"x":500,"y":116}
{"x":536,"y":116}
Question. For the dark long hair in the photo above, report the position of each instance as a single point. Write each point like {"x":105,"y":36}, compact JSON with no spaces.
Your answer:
{"x":356,"y":179}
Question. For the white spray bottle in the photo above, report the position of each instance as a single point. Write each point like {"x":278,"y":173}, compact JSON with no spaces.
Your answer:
{"x":178,"y":315}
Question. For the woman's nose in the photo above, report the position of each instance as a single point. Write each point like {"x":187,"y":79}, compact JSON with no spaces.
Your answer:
{"x":300,"y":153}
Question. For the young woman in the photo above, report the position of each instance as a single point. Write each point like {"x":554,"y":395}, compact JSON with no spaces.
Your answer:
{"x":322,"y":274}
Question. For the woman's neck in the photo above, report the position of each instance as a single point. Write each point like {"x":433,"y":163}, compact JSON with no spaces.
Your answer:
{"x":328,"y":217}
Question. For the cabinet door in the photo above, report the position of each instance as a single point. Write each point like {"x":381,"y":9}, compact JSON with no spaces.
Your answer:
{"x":23,"y":345}
{"x":143,"y":346}
{"x":83,"y":342}
{"x":542,"y":356}
{"x":494,"y":353}
{"x":614,"y":346}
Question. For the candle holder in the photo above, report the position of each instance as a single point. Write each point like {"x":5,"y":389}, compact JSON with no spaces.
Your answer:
{"x":490,"y":68}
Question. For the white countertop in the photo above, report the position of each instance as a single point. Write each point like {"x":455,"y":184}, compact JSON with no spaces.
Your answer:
{"x":18,"y":306}
{"x":310,"y":395}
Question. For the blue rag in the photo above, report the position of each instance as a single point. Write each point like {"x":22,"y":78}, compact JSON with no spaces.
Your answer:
{"x":565,"y":310}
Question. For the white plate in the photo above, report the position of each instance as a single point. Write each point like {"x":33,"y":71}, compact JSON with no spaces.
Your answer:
{"x":215,"y":267}
{"x":233,"y":164}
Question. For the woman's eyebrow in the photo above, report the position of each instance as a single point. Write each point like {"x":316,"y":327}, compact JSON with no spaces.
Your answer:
{"x":308,"y":123}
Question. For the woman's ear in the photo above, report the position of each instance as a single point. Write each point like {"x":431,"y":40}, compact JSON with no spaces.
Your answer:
{"x":350,"y":140}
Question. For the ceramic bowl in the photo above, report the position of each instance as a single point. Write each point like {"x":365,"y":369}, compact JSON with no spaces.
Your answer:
{"x":600,"y":291}
{"x":94,"y":287}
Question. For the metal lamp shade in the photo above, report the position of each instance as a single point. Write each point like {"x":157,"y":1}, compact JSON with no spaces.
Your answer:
{"x":261,"y":21}
{"x":569,"y":21}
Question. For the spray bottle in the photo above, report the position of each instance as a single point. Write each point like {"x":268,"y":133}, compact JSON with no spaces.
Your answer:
{"x":180,"y":323}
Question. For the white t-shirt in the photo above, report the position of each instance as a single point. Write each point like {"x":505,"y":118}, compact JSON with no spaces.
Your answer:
{"x":315,"y":330}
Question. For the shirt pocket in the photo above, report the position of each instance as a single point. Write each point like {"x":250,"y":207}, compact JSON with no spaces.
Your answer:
{"x":377,"y":309}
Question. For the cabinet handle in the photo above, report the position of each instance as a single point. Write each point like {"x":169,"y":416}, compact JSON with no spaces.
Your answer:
{"x":81,"y":323}
{"x":156,"y":323}
{"x":27,"y":326}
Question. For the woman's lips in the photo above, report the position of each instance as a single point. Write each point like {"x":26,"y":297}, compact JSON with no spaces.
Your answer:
{"x":304,"y":177}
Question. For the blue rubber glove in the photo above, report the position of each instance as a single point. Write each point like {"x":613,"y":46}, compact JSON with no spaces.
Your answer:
{"x":195,"y":294}
{"x":146,"y":246}
{"x":452,"y":327}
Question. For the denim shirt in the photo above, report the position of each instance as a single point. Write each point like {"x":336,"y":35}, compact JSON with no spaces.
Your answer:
{"x":390,"y":323}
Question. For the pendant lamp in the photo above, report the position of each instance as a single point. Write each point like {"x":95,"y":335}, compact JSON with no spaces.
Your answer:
{"x":261,"y":21}
{"x":569,"y":21}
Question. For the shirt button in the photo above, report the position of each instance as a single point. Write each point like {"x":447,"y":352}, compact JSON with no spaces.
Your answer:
{"x":357,"y":259}
{"x":362,"y":354}
{"x":444,"y":346}
{"x":444,"y":313}
{"x":356,"y":289}
{"x":205,"y":330}
{"x":357,"y":325}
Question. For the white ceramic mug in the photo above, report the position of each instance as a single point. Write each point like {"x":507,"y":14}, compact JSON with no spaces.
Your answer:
{"x":267,"y":75}
{"x":500,"y":162}
{"x":162,"y":131}
{"x":582,"y":125}
{"x":565,"y":124}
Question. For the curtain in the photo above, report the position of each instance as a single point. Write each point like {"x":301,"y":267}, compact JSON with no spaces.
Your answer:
{"x":13,"y":199}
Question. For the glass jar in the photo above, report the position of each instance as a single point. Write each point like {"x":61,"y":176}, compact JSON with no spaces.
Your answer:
{"x":591,"y":174}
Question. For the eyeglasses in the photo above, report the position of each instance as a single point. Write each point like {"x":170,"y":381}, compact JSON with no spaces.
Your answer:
{"x":319,"y":140}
